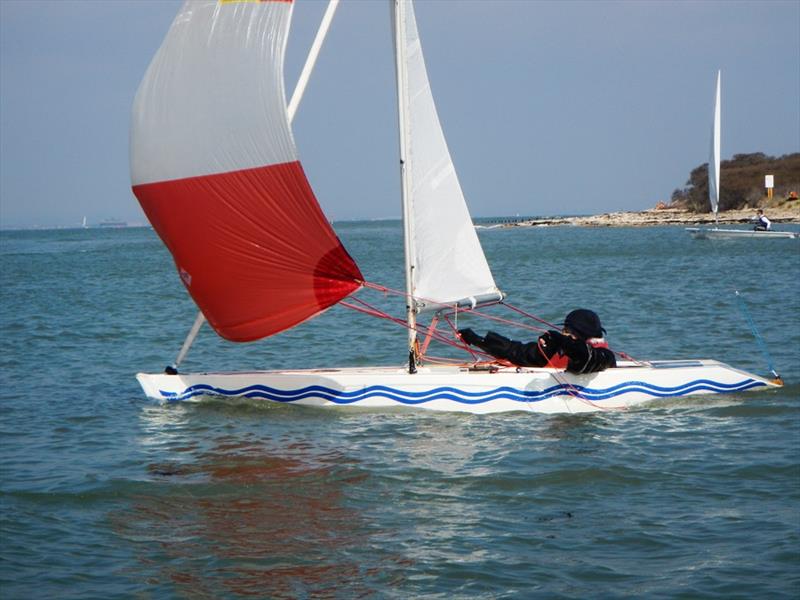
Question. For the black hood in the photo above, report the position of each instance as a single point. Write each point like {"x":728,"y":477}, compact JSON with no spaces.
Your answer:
{"x":585,"y":323}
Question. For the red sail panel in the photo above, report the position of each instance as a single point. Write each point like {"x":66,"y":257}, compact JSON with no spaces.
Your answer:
{"x":252,"y":247}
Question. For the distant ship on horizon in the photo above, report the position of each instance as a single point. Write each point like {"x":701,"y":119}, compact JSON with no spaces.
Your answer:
{"x":112,"y":223}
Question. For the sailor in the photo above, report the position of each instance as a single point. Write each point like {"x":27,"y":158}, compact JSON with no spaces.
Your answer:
{"x":762,"y":222}
{"x":579,"y":347}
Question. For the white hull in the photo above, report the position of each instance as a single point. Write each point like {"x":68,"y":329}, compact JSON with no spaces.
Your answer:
{"x":460,"y":389}
{"x":716,"y":233}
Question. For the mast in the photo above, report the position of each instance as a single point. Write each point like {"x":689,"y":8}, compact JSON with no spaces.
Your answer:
{"x":297,"y":95}
{"x":405,"y":176}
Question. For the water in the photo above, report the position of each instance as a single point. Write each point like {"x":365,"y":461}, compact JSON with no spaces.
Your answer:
{"x":105,"y":494}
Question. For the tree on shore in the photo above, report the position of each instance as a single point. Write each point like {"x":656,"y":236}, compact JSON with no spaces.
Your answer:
{"x":741,"y":182}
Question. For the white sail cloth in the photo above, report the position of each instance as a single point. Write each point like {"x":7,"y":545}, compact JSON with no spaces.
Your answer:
{"x":192,"y":115}
{"x":449,"y":266}
{"x":713,"y":161}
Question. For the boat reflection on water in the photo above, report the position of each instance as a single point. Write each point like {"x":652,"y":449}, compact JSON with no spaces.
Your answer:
{"x":245,"y":516}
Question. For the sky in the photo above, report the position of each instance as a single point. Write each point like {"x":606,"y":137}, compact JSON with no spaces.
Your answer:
{"x":549,"y":108}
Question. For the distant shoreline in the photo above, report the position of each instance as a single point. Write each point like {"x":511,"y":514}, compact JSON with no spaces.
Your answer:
{"x":789,"y":212}
{"x":666,"y":216}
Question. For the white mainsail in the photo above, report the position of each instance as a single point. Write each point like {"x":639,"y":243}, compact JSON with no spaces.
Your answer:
{"x":447,"y":265}
{"x":713,"y":161}
{"x":713,"y":189}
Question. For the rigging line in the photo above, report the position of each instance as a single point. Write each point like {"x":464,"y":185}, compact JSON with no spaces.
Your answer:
{"x":626,"y":356}
{"x":448,"y":361}
{"x":534,"y":328}
{"x":717,"y":252}
{"x":406,"y":295}
{"x":573,"y":391}
{"x":759,"y":340}
{"x":454,"y":330}
{"x":530,"y":316}
{"x":375,"y":312}
{"x":477,"y":313}
{"x":372,"y":312}
{"x":517,"y":324}
{"x":444,"y":308}
{"x":569,"y":387}
{"x":380,"y":288}
{"x":445,"y":314}
{"x":619,"y":353}
{"x":454,"y":310}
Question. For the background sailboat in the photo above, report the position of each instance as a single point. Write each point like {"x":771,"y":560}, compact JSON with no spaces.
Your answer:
{"x":713,"y":187}
{"x":215,"y":168}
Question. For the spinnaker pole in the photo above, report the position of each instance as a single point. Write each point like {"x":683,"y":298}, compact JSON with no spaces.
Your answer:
{"x":311,"y":59}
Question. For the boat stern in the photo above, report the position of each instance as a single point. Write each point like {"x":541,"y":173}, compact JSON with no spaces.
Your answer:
{"x":161,"y":386}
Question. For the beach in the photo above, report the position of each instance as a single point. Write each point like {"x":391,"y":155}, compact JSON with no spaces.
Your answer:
{"x":789,"y":212}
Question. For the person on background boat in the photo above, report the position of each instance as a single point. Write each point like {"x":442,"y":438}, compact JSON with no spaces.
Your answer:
{"x":762,"y":222}
{"x":579,"y":347}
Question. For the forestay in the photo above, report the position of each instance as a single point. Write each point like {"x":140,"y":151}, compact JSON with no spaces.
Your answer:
{"x":449,"y":266}
{"x":215,"y":168}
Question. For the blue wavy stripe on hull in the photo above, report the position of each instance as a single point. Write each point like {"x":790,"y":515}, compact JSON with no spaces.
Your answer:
{"x":462,"y":397}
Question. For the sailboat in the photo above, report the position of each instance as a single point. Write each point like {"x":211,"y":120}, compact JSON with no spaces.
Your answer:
{"x":215,"y":168}
{"x":713,"y":189}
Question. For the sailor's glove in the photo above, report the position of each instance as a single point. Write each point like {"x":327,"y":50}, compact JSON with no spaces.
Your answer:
{"x":470,"y":337}
{"x":551,"y":341}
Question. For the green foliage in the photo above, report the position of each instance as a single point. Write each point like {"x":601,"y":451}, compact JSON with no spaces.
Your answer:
{"x":741,"y":182}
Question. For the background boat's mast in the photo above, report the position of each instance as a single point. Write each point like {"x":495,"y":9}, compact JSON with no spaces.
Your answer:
{"x":405,"y":176}
{"x":297,"y":95}
{"x":716,"y":148}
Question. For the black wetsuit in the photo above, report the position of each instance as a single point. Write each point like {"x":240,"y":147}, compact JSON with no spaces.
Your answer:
{"x":551,"y":349}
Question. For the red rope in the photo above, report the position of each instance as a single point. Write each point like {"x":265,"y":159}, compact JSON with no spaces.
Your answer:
{"x":375,"y":312}
{"x":530,"y":316}
{"x":370,"y":310}
{"x":433,"y":334}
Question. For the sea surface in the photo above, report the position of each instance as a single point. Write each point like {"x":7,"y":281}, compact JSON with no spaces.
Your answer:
{"x":105,"y":494}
